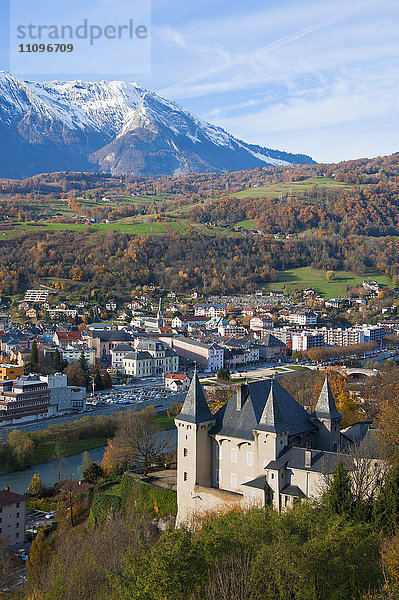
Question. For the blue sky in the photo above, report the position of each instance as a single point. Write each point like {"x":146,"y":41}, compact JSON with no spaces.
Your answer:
{"x":307,"y":76}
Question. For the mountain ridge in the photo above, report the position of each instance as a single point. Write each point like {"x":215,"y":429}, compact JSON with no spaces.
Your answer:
{"x":114,"y":127}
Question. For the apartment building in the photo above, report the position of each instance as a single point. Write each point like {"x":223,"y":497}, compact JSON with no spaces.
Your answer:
{"x":12,"y":516}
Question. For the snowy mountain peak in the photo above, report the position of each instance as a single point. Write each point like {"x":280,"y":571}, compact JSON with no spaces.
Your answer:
{"x":65,"y":125}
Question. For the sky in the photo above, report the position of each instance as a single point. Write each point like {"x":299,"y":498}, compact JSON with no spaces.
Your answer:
{"x":319,"y":78}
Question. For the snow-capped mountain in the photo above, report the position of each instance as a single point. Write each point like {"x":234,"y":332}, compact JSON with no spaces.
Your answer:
{"x":115,"y":127}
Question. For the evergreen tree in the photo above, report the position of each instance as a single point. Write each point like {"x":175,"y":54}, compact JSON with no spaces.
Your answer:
{"x":339,"y":497}
{"x":93,"y":473}
{"x":58,"y":362}
{"x":98,"y":382}
{"x":107,"y":381}
{"x":39,"y":556}
{"x":386,"y":507}
{"x":34,"y":356}
{"x":84,"y":365}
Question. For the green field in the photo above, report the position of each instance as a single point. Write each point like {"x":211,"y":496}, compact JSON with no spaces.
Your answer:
{"x":294,"y":188}
{"x":247,"y":224}
{"x":305,"y":277}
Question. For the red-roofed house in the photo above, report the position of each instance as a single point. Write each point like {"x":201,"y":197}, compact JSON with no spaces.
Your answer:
{"x":177,"y":382}
{"x":63,"y":338}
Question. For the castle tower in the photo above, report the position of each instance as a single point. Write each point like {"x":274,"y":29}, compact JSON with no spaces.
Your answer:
{"x":194,"y":460}
{"x":326,"y":412}
{"x":272,"y":430}
{"x":160,"y":318}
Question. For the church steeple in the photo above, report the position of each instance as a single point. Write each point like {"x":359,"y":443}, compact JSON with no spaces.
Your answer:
{"x":195,"y":408}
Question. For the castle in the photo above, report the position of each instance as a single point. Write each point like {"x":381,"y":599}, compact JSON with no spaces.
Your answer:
{"x":260,"y":447}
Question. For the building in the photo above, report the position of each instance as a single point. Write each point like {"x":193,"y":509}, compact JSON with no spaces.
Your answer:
{"x":302,"y":317}
{"x":24,"y":399}
{"x":256,"y":448}
{"x":64,"y":338}
{"x":271,"y":348}
{"x":12,"y":516}
{"x":190,"y":320}
{"x":10,"y":371}
{"x":118,"y":354}
{"x":149,"y":359}
{"x":62,"y":313}
{"x":208,"y":357}
{"x":103,"y":341}
{"x":304,"y":340}
{"x":210,"y":310}
{"x":260,"y":323}
{"x":177,"y":382}
{"x":73,"y":352}
{"x":36,"y":296}
{"x":63,"y":397}
{"x":230,"y":330}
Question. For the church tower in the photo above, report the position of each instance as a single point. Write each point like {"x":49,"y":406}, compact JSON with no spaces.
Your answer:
{"x":194,"y":460}
{"x":330,"y":420}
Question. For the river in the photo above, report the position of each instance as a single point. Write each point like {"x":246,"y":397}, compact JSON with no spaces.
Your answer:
{"x":18,"y":481}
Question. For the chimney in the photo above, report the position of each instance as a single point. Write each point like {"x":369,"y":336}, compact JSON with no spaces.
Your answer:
{"x":241,"y":395}
{"x":7,"y":488}
{"x":308,"y":458}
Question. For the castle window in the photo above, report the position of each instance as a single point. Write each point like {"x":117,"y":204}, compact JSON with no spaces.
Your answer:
{"x":234,"y":480}
{"x":234,"y":455}
{"x":250,"y":459}
{"x":185,"y":476}
{"x":185,"y":451}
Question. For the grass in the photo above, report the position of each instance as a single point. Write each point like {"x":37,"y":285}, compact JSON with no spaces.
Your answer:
{"x":246,"y":224}
{"x":164,"y":421}
{"x":292,"y":189}
{"x":305,"y":277}
{"x":46,"y":452}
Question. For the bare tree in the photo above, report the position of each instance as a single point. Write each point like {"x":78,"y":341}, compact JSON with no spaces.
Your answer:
{"x":367,"y":471}
{"x":139,"y":439}
{"x":231,"y":579}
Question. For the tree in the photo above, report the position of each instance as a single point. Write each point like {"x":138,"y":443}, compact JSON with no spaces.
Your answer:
{"x":386,"y":508}
{"x":107,"y":381}
{"x":93,"y":473}
{"x":76,"y":375}
{"x":339,"y":497}
{"x":34,"y":356}
{"x":224,"y":374}
{"x":84,"y":365}
{"x":98,"y":382}
{"x":39,"y":557}
{"x":36,"y":487}
{"x":58,"y":362}
{"x":330,"y":276}
{"x":87,"y":461}
{"x":20,"y":446}
{"x":138,"y":442}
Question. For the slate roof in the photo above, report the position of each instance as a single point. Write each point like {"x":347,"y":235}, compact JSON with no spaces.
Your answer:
{"x":258,"y":483}
{"x":112,"y":336}
{"x":122,"y":348}
{"x":285,"y":411}
{"x":292,"y":490}
{"x":270,"y":341}
{"x":137,"y":355}
{"x":322,"y":462}
{"x":195,"y":408}
{"x":325,"y":407}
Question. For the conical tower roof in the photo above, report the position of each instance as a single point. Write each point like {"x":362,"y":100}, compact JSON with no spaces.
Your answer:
{"x":271,"y":419}
{"x":325,"y":407}
{"x":195,"y":408}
